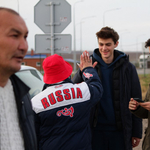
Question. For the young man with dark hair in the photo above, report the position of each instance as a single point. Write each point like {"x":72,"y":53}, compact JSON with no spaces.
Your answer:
{"x":113,"y":125}
{"x":17,"y":131}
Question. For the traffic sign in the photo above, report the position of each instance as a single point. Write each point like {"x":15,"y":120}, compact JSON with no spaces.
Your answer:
{"x":62,"y":43}
{"x":55,"y":13}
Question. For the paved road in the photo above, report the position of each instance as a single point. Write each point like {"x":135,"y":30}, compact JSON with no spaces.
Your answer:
{"x":144,"y":126}
{"x":143,"y":71}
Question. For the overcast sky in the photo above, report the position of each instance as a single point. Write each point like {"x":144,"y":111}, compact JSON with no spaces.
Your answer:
{"x":130,"y":18}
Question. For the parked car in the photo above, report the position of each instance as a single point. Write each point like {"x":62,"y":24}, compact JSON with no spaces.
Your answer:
{"x":32,"y":78}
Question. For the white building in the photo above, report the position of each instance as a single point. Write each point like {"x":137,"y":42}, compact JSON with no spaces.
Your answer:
{"x":144,"y":61}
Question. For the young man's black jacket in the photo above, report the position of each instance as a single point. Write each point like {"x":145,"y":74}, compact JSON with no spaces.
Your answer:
{"x":26,"y":116}
{"x":125,"y":85}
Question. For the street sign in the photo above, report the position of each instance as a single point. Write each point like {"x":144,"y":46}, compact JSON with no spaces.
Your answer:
{"x":60,"y":14}
{"x":52,"y":16}
{"x":62,"y":43}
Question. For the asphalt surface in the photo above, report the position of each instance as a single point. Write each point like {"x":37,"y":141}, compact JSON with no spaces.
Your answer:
{"x":143,"y":71}
{"x":139,"y":147}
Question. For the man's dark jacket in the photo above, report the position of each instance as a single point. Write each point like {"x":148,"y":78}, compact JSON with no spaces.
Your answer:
{"x":125,"y":86}
{"x":26,"y":116}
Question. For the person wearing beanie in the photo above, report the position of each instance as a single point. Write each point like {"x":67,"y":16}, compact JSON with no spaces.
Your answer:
{"x":62,"y":109}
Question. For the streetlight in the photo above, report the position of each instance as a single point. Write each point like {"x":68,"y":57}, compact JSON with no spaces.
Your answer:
{"x":121,"y":40}
{"x":81,"y":30}
{"x":106,"y":12}
{"x":75,"y":33}
{"x":137,"y":45}
{"x":18,"y":5}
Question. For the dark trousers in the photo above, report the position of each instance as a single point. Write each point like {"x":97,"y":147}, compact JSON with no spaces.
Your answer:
{"x":108,"y":140}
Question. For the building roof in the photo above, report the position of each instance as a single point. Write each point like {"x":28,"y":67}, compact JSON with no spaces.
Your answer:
{"x":70,"y":60}
{"x":35,"y":56}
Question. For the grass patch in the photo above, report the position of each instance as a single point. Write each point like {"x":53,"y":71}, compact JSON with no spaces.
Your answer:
{"x":144,"y":81}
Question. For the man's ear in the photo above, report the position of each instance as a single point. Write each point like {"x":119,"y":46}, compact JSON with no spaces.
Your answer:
{"x":116,"y":44}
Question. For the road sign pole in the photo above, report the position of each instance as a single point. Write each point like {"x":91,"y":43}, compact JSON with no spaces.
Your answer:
{"x":62,"y":43}
{"x":52,"y":28}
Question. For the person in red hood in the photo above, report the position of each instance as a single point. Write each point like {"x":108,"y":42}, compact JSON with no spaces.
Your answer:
{"x":62,"y":109}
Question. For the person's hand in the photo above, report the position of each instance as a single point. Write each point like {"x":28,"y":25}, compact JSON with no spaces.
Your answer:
{"x":145,"y":105}
{"x":86,"y":61}
{"x":133,"y":104}
{"x":135,"y":141}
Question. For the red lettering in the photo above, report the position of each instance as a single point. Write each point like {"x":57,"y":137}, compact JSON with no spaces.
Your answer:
{"x":52,"y":99}
{"x":45,"y":103}
{"x":79,"y":93}
{"x":67,"y":94}
{"x":73,"y":93}
{"x":59,"y":96}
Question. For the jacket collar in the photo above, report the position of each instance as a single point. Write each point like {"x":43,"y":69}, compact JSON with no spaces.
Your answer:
{"x":20,"y":90}
{"x":117,"y":54}
{"x":65,"y":81}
